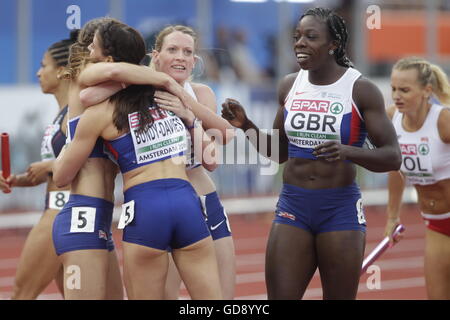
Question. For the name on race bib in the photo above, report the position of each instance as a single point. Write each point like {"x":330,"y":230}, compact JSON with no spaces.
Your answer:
{"x":166,"y":137}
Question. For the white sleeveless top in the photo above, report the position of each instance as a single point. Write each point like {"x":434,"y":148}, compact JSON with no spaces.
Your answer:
{"x":191,"y":163}
{"x":425,"y":158}
{"x":315,"y":114}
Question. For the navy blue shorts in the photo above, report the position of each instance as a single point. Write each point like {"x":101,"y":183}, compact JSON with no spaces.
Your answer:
{"x":216,"y":217}
{"x":321,"y":210}
{"x":84,"y":223}
{"x":167,"y":213}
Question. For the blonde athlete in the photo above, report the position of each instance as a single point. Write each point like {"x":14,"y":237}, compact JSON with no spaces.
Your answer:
{"x":161,"y":208}
{"x":174,"y":55}
{"x":423,"y":133}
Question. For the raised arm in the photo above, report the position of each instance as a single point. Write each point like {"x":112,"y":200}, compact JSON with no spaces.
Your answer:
{"x":123,"y":72}
{"x":204,"y":147}
{"x":93,"y":95}
{"x":205,"y":109}
{"x":234,"y":112}
{"x":75,"y":154}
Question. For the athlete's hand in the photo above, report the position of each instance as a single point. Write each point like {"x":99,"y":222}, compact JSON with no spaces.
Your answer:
{"x":168,"y":101}
{"x":391,"y":224}
{"x":38,"y":172}
{"x":234,"y":113}
{"x":330,"y":151}
{"x":5,"y":184}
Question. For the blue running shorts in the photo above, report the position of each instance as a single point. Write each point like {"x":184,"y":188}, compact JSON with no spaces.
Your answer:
{"x":84,"y":223}
{"x":166,"y":213}
{"x":321,"y":210}
{"x":216,"y":217}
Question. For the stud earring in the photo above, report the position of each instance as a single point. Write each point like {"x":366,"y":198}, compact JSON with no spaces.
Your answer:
{"x":331,"y":52}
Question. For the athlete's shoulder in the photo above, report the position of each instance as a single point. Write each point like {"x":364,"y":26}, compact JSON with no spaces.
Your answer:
{"x":367,"y":94}
{"x":285,"y":86}
{"x":201,"y":89}
{"x":443,"y":128}
{"x":390,"y":111}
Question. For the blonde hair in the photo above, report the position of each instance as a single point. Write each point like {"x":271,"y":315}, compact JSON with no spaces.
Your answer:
{"x":79,"y":53}
{"x":428,"y":73}
{"x":168,"y":30}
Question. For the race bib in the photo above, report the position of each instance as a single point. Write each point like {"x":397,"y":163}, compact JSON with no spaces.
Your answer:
{"x":83,"y":219}
{"x":416,"y":163}
{"x":47,"y":152}
{"x":127,"y":214}
{"x":312,"y":122}
{"x":165,"y":138}
{"x":58,"y":199}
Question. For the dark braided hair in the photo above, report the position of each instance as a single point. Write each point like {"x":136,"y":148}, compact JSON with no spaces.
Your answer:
{"x":59,"y":51}
{"x":125,"y":44}
{"x":337,"y":30}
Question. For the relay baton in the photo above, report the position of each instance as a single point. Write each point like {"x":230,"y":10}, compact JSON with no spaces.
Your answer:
{"x":6,"y":165}
{"x":381,"y":248}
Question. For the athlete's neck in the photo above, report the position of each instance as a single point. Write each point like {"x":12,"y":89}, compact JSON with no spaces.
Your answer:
{"x":327,"y":74}
{"x":413,"y":121}
{"x":61,"y":94}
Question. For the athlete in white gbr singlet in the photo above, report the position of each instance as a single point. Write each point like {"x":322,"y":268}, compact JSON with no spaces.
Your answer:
{"x":424,"y":137}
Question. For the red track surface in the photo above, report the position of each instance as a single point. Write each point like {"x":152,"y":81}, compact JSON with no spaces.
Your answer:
{"x":401,"y":267}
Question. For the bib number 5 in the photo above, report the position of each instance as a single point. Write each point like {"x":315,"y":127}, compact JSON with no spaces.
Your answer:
{"x":127,"y":214}
{"x":83,"y":219}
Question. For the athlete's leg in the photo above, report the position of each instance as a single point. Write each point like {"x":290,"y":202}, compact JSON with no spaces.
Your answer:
{"x":226,"y":260}
{"x":197,"y":265}
{"x":114,"y":286}
{"x":437,"y":265}
{"x":144,"y":271}
{"x":339,"y":256}
{"x":173,"y":281}
{"x":290,"y":261}
{"x":38,"y":264}
{"x":85,"y":274}
{"x":59,"y":279}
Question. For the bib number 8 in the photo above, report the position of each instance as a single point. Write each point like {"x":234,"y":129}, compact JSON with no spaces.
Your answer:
{"x":83,"y":219}
{"x":58,"y":199}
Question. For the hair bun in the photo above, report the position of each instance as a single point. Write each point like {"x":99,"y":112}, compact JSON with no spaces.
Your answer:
{"x":74,"y":34}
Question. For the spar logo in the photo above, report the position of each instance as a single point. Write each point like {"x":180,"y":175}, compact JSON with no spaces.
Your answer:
{"x":424,"y":149}
{"x":336,"y":108}
{"x":321,"y":106}
{"x":408,"y":149}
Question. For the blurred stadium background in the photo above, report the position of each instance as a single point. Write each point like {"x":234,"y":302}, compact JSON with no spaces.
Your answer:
{"x":245,"y":46}
{"x":245,"y":49}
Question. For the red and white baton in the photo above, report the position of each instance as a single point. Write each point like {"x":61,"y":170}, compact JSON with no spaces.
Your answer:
{"x":6,"y":164}
{"x":381,"y":248}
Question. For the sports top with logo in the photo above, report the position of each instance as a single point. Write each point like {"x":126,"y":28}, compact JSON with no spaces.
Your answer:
{"x":425,"y":158}
{"x":315,"y":114}
{"x":191,"y":163}
{"x":165,"y":138}
{"x":54,"y":139}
